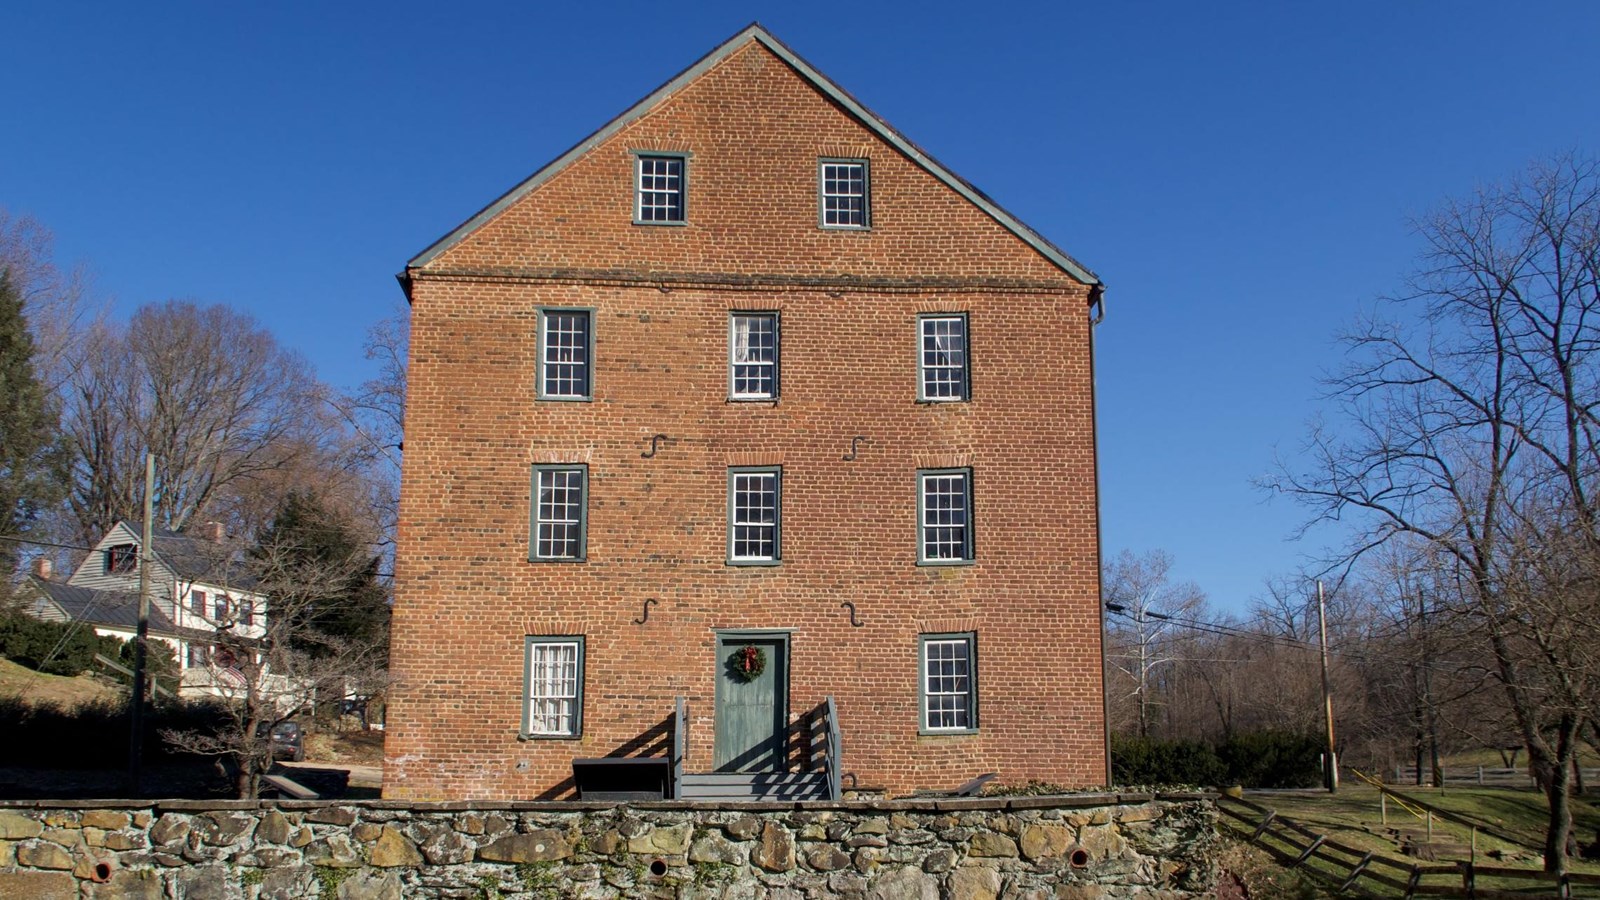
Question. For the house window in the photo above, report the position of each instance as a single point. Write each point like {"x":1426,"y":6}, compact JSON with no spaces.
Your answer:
{"x":223,"y":606}
{"x":566,"y":349}
{"x":122,"y":559}
{"x":753,"y":512}
{"x":247,"y":613}
{"x":660,"y":189}
{"x":196,"y":655}
{"x":949,"y":683}
{"x":559,"y":513}
{"x":942,"y":362}
{"x":842,"y":186}
{"x":944,"y":516}
{"x":553,"y":671}
{"x":753,"y":356}
{"x":197,"y":603}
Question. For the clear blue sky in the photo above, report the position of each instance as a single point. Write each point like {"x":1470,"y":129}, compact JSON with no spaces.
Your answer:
{"x":1239,"y":174}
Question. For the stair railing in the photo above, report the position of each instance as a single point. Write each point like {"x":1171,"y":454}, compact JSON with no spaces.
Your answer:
{"x":832,"y":766}
{"x":680,"y":742}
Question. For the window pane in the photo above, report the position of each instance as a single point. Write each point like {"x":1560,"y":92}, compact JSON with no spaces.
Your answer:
{"x":945,"y":517}
{"x":566,"y":354}
{"x":753,"y":355}
{"x":660,"y":189}
{"x":559,"y":514}
{"x":944,"y":358}
{"x":552,"y":687}
{"x":844,"y":194}
{"x":753,"y":531}
{"x":947,"y":683}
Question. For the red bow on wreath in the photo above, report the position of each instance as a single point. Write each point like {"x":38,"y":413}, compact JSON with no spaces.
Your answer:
{"x":749,"y":662}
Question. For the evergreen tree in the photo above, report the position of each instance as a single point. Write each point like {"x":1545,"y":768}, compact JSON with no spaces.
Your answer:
{"x":309,"y":542}
{"x":32,"y":456}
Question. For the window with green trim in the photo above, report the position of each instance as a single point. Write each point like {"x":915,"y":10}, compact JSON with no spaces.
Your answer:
{"x":842,"y":192}
{"x":753,"y":356}
{"x":566,"y":354}
{"x":754,"y":511}
{"x":942,"y":371}
{"x":553,"y":689}
{"x":560,"y":513}
{"x":944,"y":516}
{"x":948,"y":685}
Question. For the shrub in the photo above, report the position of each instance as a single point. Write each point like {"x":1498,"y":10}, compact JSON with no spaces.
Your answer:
{"x":1149,"y":761}
{"x":1261,"y":759}
{"x":55,"y":648}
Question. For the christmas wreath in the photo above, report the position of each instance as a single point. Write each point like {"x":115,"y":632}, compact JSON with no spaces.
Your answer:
{"x":748,"y":662}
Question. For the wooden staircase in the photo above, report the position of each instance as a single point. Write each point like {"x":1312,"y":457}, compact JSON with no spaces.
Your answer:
{"x":822,"y":781}
{"x":769,"y":786}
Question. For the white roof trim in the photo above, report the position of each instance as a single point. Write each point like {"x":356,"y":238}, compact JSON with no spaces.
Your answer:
{"x":755,"y":32}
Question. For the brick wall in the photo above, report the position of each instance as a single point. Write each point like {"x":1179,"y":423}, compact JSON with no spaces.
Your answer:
{"x":466,"y":596}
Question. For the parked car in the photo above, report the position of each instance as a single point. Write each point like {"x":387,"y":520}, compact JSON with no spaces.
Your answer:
{"x":288,"y":740}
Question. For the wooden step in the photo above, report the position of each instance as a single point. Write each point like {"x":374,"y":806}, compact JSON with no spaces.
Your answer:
{"x":753,"y":786}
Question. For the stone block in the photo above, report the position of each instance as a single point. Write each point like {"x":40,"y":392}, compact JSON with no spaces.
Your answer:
{"x":222,"y":829}
{"x":672,"y":841}
{"x":366,"y":832}
{"x":989,"y":844}
{"x":744,"y":828}
{"x":975,"y":883}
{"x":38,"y":885}
{"x":939,"y":861}
{"x":543,"y":845}
{"x":1045,"y":841}
{"x":206,"y":883}
{"x":371,"y":886}
{"x":274,"y":828}
{"x":712,"y":847}
{"x":105,"y":818}
{"x":39,"y":854}
{"x":335,"y":850}
{"x":775,"y":853}
{"x":169,"y":829}
{"x":443,"y":846}
{"x":15,"y":826}
{"x":904,"y":884}
{"x":393,"y":849}
{"x":332,"y":815}
{"x":827,"y":859}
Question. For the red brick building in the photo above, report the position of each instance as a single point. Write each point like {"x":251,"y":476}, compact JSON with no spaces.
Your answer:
{"x":748,"y":401}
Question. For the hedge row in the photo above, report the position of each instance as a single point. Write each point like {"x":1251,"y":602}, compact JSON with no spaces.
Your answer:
{"x":1261,"y":759}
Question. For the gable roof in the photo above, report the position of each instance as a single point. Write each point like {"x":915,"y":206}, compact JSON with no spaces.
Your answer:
{"x":194,"y":558}
{"x":871,"y":120}
{"x":113,"y":609}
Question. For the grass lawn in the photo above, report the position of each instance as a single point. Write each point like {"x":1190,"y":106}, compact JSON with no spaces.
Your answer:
{"x":37,"y":687}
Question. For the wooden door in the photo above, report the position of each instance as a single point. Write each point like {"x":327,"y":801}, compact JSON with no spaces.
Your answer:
{"x":752,"y":711}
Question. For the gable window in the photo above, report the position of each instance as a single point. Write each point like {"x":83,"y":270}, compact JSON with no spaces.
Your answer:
{"x":197,"y":603}
{"x":553,"y":699}
{"x":753,"y":356}
{"x":942,"y":361}
{"x":842,"y":187}
{"x":944,"y":516}
{"x":753,"y":512}
{"x":122,"y":559}
{"x":559,"y":513}
{"x":659,"y":189}
{"x":566,"y":349}
{"x":948,"y":683}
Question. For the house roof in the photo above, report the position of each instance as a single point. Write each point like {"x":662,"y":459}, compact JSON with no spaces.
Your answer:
{"x":196,"y":559}
{"x":113,"y":609}
{"x":875,"y":123}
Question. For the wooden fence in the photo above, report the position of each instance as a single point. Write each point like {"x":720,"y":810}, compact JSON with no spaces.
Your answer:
{"x":1350,"y":870}
{"x":1488,"y":776}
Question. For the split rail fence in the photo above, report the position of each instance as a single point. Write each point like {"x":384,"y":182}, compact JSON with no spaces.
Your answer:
{"x":1351,"y":870}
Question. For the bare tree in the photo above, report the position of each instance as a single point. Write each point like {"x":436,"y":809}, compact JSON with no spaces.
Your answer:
{"x":55,"y":301}
{"x":270,"y":663}
{"x":1471,"y":426}
{"x":205,"y":389}
{"x":1144,"y":632}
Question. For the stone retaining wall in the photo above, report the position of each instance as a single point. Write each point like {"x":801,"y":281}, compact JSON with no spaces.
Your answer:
{"x":1073,"y":846}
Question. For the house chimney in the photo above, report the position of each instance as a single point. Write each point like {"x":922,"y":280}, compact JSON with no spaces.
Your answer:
{"x":215,"y":532}
{"x":41,"y":567}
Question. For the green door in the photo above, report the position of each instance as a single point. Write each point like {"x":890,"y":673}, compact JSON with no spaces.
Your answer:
{"x":752,"y":709}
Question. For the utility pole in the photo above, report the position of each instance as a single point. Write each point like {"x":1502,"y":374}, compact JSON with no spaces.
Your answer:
{"x":141,"y":636}
{"x":1330,"y":763}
